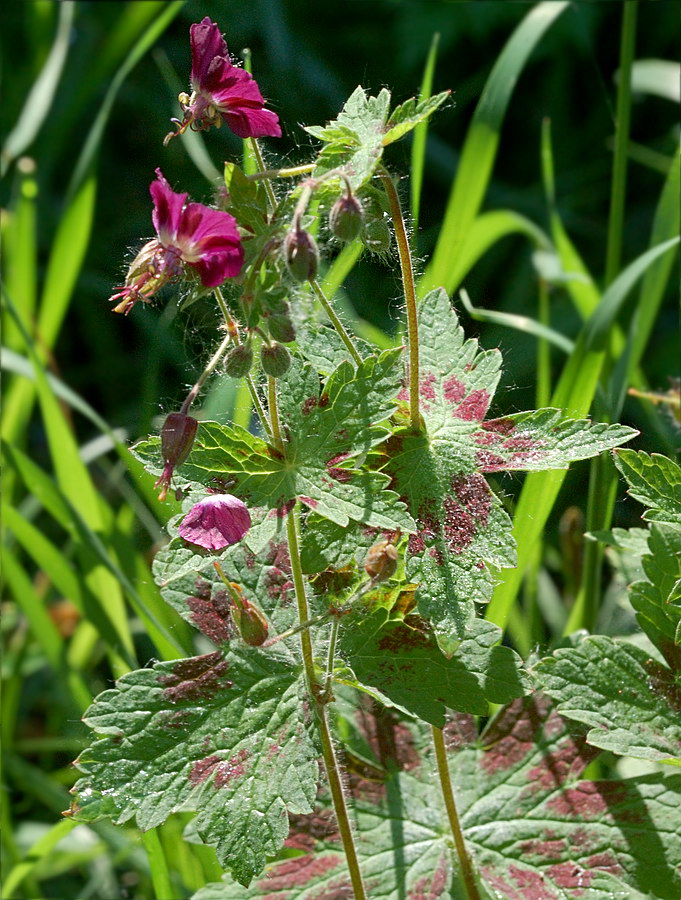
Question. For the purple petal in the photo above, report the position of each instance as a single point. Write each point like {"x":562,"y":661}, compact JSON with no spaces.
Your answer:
{"x":216,"y":522}
{"x":256,"y":123}
{"x":206,"y":43}
{"x":228,"y":84}
{"x":167,"y":212}
{"x":210,"y":243}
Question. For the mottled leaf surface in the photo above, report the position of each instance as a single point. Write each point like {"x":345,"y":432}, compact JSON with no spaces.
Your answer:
{"x":222,"y":735}
{"x":631,"y":701}
{"x":403,"y":661}
{"x":462,"y":531}
{"x":655,"y":481}
{"x":326,"y":430}
{"x":533,"y":828}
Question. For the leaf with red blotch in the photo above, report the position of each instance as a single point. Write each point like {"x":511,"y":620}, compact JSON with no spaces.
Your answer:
{"x":403,"y":661}
{"x":225,"y":736}
{"x":462,"y":531}
{"x":326,"y":431}
{"x":533,"y":829}
{"x":189,"y":583}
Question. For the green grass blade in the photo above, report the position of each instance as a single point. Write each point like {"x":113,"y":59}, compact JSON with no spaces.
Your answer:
{"x":574,"y":393}
{"x":39,"y":100}
{"x":516,"y":322}
{"x":418,"y":147}
{"x":660,"y":77}
{"x":36,"y":854}
{"x":160,"y":875}
{"x":340,"y":268}
{"x":20,"y":243}
{"x":484,"y":232}
{"x":480,"y":147}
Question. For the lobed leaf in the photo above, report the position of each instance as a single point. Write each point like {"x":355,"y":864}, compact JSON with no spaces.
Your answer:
{"x":224,"y":736}
{"x":408,"y":115}
{"x":655,"y":481}
{"x":631,"y":701}
{"x":404,"y":662}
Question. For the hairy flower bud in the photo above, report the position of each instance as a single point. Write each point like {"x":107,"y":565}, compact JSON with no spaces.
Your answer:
{"x":381,"y":561}
{"x":177,"y":439}
{"x":281,"y":328}
{"x":249,"y":620}
{"x":238,"y":361}
{"x":376,"y":236}
{"x":301,"y":254}
{"x":346,"y":218}
{"x":275,"y":359}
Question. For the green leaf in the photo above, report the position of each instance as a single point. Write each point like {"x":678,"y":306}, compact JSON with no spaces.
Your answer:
{"x":657,"y":601}
{"x":326,"y":431}
{"x":533,"y":829}
{"x":631,"y":701}
{"x":408,"y":115}
{"x":189,"y":583}
{"x":404,"y":662}
{"x":354,"y":140}
{"x":327,"y":545}
{"x":223,"y":736}
{"x":462,"y":529}
{"x":655,"y":480}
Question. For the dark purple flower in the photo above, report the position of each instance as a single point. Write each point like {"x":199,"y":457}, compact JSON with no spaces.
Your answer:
{"x":216,"y":521}
{"x":222,"y":92}
{"x":188,"y":234}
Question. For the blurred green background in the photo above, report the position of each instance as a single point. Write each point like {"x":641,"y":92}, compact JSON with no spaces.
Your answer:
{"x":88,"y":144}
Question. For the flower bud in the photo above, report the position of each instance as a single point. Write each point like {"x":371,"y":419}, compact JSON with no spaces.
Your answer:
{"x":376,"y":236}
{"x":281,"y":328}
{"x":381,"y":561}
{"x":238,"y":361}
{"x":216,"y":522}
{"x":177,"y":440}
{"x":250,"y":622}
{"x":301,"y":254}
{"x":346,"y":218}
{"x":275,"y":359}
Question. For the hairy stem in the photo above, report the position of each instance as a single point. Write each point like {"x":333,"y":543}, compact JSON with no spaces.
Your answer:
{"x":409,"y":295}
{"x":291,"y":172}
{"x":316,"y":695}
{"x":448,"y":794}
{"x":233,"y":330}
{"x":330,"y":761}
{"x":271,"y":199}
{"x":335,"y":321}
{"x":207,"y":372}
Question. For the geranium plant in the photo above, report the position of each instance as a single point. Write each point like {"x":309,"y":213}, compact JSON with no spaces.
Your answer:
{"x":339,"y":554}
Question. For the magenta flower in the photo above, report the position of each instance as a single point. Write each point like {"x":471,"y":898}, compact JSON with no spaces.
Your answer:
{"x":222,"y":92}
{"x":216,"y":521}
{"x":187,"y":234}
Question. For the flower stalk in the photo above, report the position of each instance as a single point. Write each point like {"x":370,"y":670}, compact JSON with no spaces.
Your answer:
{"x":409,"y":287}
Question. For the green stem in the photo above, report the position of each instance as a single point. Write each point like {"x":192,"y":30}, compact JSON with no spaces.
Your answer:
{"x":271,"y":199}
{"x":331,"y":655}
{"x":274,"y":412}
{"x":282,"y":173}
{"x":448,"y":794}
{"x":335,"y":321}
{"x":233,"y":330}
{"x":409,"y":287}
{"x":207,"y":372}
{"x":330,"y":762}
{"x":158,"y":865}
{"x":603,"y":480}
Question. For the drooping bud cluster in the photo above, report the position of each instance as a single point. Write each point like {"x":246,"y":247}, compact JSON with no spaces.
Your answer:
{"x":239,"y":361}
{"x":301,"y":254}
{"x":177,"y":439}
{"x":346,"y":218}
{"x":275,"y":359}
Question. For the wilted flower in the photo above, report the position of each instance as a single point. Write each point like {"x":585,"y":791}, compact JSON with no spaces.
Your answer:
{"x":177,"y":439}
{"x":188,"y":234}
{"x":216,"y":522}
{"x":222,"y":91}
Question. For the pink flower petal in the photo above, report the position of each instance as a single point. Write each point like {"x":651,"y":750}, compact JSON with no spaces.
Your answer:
{"x":206,"y":43}
{"x":256,"y":123}
{"x":216,"y":522}
{"x":210,"y":243}
{"x":167,"y":211}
